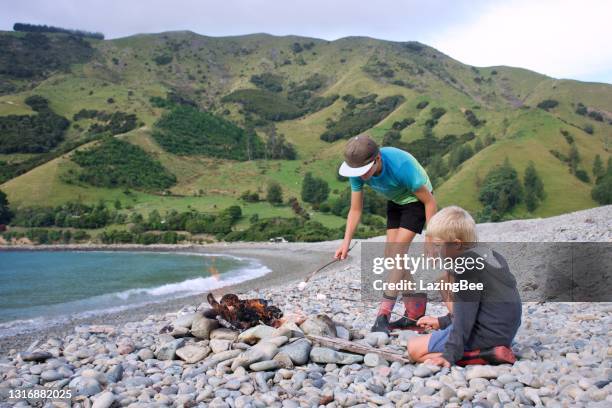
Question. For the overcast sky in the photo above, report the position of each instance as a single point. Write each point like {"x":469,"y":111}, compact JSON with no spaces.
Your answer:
{"x":560,"y":38}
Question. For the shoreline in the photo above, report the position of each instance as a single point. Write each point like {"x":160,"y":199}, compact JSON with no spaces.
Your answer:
{"x":563,"y":348}
{"x":287,"y":262}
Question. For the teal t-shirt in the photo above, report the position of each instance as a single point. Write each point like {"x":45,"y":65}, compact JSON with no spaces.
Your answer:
{"x":401,"y":175}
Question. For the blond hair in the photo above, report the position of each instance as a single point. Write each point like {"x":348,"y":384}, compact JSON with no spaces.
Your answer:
{"x":452,"y":223}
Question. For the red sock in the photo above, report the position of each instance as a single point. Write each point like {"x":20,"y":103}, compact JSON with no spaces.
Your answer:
{"x":386,"y":305}
{"x":415,"y":305}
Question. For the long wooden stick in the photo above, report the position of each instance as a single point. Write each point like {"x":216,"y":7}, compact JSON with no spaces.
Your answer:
{"x":340,"y":344}
{"x":327,"y":264}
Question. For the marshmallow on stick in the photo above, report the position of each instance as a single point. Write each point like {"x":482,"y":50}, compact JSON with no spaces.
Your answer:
{"x":302,"y":285}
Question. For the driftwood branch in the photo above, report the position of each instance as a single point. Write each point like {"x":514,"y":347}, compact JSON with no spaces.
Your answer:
{"x":340,"y":344}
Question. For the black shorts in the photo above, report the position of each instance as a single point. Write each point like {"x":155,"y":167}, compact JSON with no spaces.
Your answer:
{"x":410,"y":216}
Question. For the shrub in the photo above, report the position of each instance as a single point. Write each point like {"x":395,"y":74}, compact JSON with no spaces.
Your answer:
{"x":278,"y":148}
{"x":32,"y":133}
{"x":548,"y":104}
{"x":292,"y":229}
{"x":459,"y":155}
{"x":36,"y":28}
{"x":274,"y":106}
{"x":501,"y":190}
{"x":422,"y":105}
{"x":314,"y":189}
{"x":68,"y":215}
{"x":116,"y":163}
{"x":602,"y":191}
{"x":596,"y":115}
{"x":163,"y":59}
{"x":402,"y":124}
{"x":266,"y":104}
{"x":37,"y":103}
{"x":471,"y":117}
{"x":274,"y":194}
{"x":250,"y":197}
{"x":534,"y":187}
{"x":573,"y":158}
{"x":437,"y":113}
{"x":437,"y":170}
{"x":354,"y":121}
{"x":35,"y":56}
{"x":581,"y":109}
{"x":429,"y":146}
{"x":268,"y":81}
{"x":80,"y":235}
{"x":582,"y":176}
{"x":372,"y":203}
{"x":5,"y":213}
{"x":112,"y":123}
{"x":598,"y":168}
{"x":185,"y":130}
{"x":391,"y":138}
{"x":568,"y":137}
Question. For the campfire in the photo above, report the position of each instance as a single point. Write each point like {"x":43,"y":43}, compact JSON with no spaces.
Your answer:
{"x":237,"y":314}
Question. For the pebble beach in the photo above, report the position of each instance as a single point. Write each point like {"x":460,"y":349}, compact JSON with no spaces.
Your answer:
{"x":171,"y":355}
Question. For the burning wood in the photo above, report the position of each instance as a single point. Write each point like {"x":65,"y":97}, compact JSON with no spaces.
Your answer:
{"x":243,"y":314}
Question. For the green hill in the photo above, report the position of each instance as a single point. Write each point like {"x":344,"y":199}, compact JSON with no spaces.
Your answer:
{"x":280,"y":97}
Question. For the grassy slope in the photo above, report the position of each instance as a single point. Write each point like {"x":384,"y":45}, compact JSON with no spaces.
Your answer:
{"x":209,"y":68}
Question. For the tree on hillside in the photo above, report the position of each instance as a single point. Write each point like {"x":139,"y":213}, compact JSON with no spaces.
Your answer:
{"x":458,"y":155}
{"x":37,"y":28}
{"x":534,"y":187}
{"x":275,"y":193}
{"x":548,"y":104}
{"x":314,"y":189}
{"x":598,"y":168}
{"x":277,"y":147}
{"x":501,"y":191}
{"x":233,"y":212}
{"x":437,"y":170}
{"x":602,"y":191}
{"x":573,"y":158}
{"x":581,"y":109}
{"x":5,"y":213}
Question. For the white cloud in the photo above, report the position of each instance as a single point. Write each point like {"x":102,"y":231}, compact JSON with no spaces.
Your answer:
{"x":560,"y":38}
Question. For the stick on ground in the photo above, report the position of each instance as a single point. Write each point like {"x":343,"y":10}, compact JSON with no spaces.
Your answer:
{"x":340,"y":344}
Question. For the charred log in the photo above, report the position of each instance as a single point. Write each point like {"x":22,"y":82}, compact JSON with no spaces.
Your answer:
{"x":243,"y":314}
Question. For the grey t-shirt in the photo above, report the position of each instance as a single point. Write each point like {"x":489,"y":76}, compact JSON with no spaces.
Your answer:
{"x":487,"y":318}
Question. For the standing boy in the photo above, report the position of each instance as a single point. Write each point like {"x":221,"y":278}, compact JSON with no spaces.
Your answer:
{"x":400,"y":178}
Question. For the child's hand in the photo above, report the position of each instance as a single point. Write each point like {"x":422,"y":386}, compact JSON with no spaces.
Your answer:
{"x":438,"y":361}
{"x":428,"y":322}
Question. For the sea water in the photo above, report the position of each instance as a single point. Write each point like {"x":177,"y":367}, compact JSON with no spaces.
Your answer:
{"x":39,"y":288}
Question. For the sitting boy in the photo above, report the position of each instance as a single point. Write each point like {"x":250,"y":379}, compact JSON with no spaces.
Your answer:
{"x":478,"y":319}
